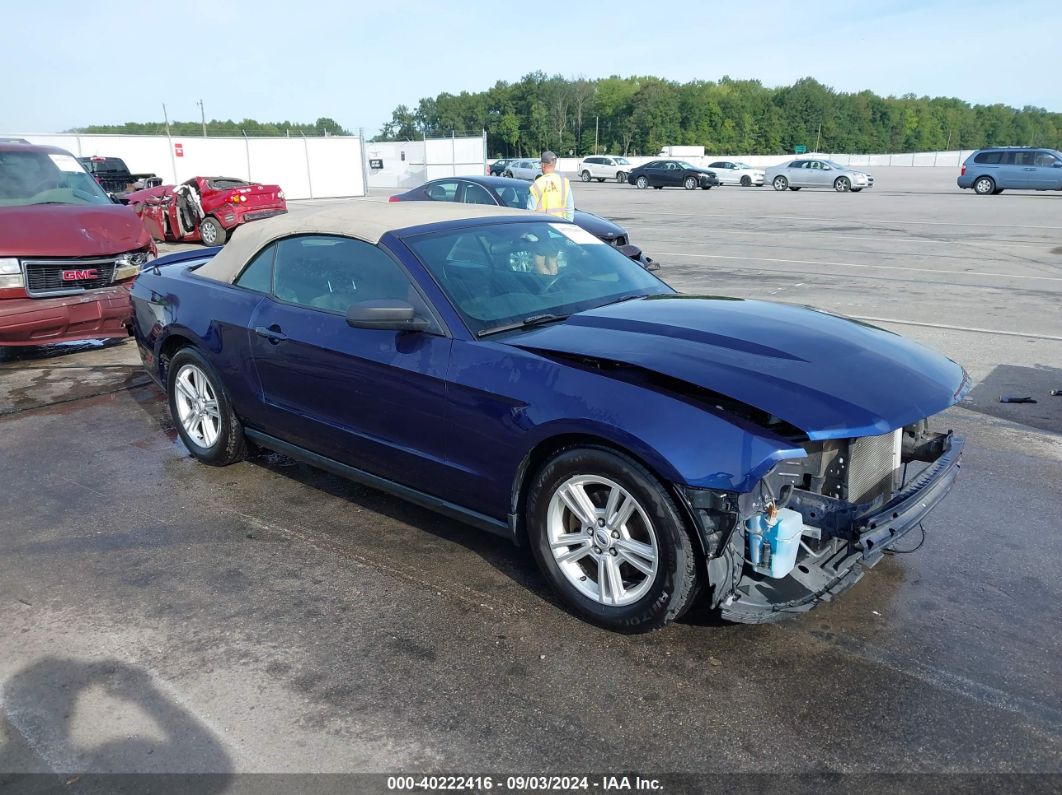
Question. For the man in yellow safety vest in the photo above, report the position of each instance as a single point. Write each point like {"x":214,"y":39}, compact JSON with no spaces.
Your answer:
{"x":551,"y":194}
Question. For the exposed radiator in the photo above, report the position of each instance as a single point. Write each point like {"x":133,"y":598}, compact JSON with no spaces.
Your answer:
{"x":873,"y":466}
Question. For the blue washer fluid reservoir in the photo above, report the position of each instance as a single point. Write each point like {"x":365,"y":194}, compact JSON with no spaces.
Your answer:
{"x":773,"y":544}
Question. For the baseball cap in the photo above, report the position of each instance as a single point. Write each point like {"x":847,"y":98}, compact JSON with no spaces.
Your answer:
{"x":548,"y":157}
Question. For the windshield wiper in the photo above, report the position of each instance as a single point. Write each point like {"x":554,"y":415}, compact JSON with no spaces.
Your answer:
{"x":527,"y":322}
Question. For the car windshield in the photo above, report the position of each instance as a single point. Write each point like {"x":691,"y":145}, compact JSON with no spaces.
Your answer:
{"x":46,"y":178}
{"x":742,"y":165}
{"x":493,"y":274}
{"x":622,"y":161}
{"x":684,"y":164}
{"x":836,"y":165}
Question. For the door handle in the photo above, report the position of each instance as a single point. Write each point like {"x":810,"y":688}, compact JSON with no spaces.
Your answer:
{"x":273,"y":334}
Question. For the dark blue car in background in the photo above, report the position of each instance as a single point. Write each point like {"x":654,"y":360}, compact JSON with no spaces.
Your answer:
{"x":517,"y":373}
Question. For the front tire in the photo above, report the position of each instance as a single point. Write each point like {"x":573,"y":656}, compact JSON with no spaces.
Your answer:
{"x":201,"y":410}
{"x":585,"y":176}
{"x":642,"y":182}
{"x":211,"y":232}
{"x":842,"y":184}
{"x":780,"y":183}
{"x":610,"y":539}
{"x":984,"y":186}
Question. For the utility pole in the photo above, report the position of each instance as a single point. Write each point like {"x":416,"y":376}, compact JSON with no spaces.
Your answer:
{"x":597,"y":126}
{"x":817,"y":137}
{"x":202,"y":115}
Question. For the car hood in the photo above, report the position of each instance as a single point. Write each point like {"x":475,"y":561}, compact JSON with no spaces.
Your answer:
{"x":52,"y":230}
{"x":830,"y":376}
{"x":597,"y":226}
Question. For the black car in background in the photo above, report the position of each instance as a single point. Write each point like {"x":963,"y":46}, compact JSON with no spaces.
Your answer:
{"x":506,"y":192}
{"x":497,"y":168}
{"x":114,"y":176}
{"x":672,"y":174}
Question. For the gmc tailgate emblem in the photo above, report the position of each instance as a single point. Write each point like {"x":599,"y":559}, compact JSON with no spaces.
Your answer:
{"x":73,"y":276}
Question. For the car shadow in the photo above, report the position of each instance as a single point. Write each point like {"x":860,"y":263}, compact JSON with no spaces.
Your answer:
{"x":49,"y":733}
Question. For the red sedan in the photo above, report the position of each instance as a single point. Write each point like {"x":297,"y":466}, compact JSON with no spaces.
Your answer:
{"x":204,"y":209}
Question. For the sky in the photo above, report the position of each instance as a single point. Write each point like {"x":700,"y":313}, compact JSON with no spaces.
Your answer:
{"x":67,"y":64}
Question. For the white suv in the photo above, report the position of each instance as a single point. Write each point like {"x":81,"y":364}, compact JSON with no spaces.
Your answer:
{"x":602,"y":167}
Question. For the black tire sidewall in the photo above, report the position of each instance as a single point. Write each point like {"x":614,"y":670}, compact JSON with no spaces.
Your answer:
{"x":677,"y":569}
{"x":585,"y":176}
{"x":230,"y":445}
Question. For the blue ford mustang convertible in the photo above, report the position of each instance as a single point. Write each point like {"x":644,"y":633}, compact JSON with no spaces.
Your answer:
{"x":515,"y":372}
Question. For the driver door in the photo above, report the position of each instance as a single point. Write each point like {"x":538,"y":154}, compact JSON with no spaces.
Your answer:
{"x":374,"y":399}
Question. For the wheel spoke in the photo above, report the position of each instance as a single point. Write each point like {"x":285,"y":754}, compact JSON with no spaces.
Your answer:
{"x":567,"y":540}
{"x":187,"y":391}
{"x":578,"y":502}
{"x":619,"y":509}
{"x":636,"y":548}
{"x":639,"y":564}
{"x":615,"y":581}
{"x":575,"y":554}
{"x":211,"y":408}
{"x":602,"y":581}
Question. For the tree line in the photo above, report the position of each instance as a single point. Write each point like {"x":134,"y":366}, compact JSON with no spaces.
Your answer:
{"x":639,"y":115}
{"x":216,"y":127}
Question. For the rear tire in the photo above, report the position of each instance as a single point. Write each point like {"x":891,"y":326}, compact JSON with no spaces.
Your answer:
{"x":792,"y":188}
{"x":611,"y":541}
{"x":621,"y":177}
{"x":211,"y":232}
{"x":997,"y":191}
{"x":201,"y":410}
{"x":746,"y":182}
{"x":509,"y":174}
{"x":585,"y":176}
{"x":984,"y":186}
{"x":600,"y":179}
{"x":856,"y":190}
{"x":780,"y":183}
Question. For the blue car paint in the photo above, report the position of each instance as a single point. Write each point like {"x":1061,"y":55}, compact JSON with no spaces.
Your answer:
{"x":830,"y":376}
{"x":456,"y":417}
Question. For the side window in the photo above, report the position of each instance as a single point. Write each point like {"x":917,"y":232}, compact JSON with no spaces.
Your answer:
{"x":988,"y":158}
{"x":476,"y":194}
{"x":331,"y":273}
{"x":1006,"y":158}
{"x":258,"y":275}
{"x":442,"y":191}
{"x":1024,"y":158}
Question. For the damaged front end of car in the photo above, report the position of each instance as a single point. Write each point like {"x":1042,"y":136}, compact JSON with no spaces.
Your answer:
{"x":813,"y":525}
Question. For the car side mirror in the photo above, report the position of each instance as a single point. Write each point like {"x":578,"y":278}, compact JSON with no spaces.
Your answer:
{"x":387,"y":314}
{"x":1057,"y":164}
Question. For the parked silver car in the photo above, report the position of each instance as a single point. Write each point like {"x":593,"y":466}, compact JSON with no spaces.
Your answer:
{"x":797,"y":174}
{"x":527,"y":168}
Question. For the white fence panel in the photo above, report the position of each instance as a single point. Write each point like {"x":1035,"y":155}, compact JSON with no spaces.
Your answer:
{"x":336,"y":166}
{"x":332,"y":166}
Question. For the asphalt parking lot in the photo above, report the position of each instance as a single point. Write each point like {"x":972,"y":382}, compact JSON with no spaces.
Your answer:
{"x":164,"y":616}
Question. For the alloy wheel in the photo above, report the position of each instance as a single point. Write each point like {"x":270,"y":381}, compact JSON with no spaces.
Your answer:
{"x":602,"y":540}
{"x":780,"y":183}
{"x":643,"y":182}
{"x":197,"y":406}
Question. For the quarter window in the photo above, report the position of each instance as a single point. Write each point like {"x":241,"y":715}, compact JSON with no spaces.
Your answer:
{"x":988,"y":158}
{"x":258,"y":275}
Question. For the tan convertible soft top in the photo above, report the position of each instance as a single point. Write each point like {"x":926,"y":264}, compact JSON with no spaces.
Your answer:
{"x":365,"y":220}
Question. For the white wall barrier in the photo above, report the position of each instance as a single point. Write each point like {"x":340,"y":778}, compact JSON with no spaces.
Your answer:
{"x":306,"y":168}
{"x":406,"y":164}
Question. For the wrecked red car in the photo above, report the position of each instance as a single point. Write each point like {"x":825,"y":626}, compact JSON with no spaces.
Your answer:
{"x":67,"y":252}
{"x":204,"y":209}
